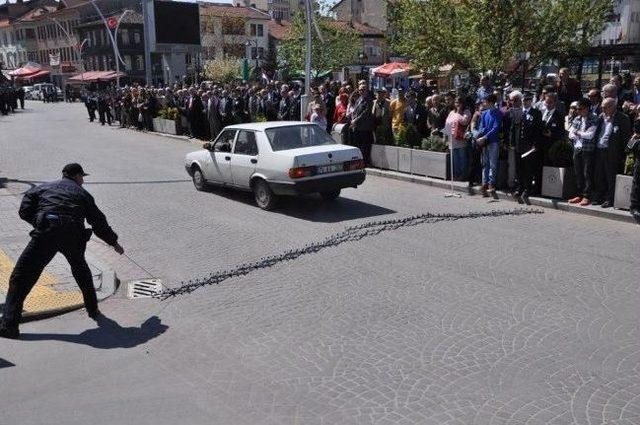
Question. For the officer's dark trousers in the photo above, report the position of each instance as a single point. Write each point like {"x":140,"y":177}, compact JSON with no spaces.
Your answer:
{"x":635,"y":187}
{"x":38,"y":253}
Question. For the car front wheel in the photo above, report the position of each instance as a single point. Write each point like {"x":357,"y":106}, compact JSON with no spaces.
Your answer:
{"x":198,"y":179}
{"x":331,"y":195}
{"x":264,"y":196}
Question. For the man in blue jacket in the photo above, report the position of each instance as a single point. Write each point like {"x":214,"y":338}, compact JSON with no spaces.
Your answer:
{"x":488,"y":138}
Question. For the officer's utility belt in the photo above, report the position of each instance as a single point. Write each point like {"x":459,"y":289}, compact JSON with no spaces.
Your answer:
{"x":62,"y":220}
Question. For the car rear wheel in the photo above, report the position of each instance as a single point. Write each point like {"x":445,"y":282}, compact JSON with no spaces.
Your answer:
{"x":330,"y":196}
{"x":198,"y":179}
{"x":264,"y":196}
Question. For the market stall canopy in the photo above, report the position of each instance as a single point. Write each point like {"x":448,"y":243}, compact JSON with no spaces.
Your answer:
{"x":27,"y":70}
{"x":95,"y":76}
{"x":392,"y":69}
{"x":38,"y":74}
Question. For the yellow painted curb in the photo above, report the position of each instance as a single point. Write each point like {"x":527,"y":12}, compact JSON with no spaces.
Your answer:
{"x":43,"y":297}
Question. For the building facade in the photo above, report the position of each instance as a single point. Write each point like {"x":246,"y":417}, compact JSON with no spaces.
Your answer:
{"x":277,"y":9}
{"x":97,"y":52}
{"x":368,"y":12}
{"x":229,"y":31}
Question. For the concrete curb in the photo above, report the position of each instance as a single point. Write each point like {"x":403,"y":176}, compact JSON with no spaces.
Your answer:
{"x":165,"y":135}
{"x":594,"y":211}
{"x":108,"y":286}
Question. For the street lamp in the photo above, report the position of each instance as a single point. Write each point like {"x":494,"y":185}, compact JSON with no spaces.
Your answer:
{"x":524,"y":58}
{"x":114,"y":43}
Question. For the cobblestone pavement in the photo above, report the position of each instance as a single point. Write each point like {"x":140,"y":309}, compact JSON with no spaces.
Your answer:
{"x":514,"y":320}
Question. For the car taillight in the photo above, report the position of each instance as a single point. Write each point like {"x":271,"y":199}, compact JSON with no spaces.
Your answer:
{"x":357,"y":164}
{"x":299,"y":172}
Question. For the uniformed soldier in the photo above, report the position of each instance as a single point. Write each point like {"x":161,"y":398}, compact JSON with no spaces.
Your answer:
{"x":57,"y":211}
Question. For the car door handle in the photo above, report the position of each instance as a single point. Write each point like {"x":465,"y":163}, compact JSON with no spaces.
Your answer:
{"x":228,"y":158}
{"x":254,"y":161}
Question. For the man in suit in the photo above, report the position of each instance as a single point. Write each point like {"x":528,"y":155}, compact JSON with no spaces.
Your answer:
{"x":225,"y":108}
{"x":213,"y":114}
{"x":194,"y":113}
{"x":525,"y":135}
{"x":330,"y":103}
{"x":567,"y":88}
{"x":552,"y":131}
{"x":285,"y":104}
{"x":596,"y":101}
{"x":614,"y":131}
{"x":362,"y":123}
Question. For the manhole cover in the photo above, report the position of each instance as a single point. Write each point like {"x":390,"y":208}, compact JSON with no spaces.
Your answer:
{"x":144,"y":288}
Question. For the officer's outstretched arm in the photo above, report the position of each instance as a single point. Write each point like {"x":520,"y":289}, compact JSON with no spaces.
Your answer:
{"x":98,"y":222}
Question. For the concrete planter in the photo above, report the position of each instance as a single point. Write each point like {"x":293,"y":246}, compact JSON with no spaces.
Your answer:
{"x":337,"y":130}
{"x":162,"y":125}
{"x":404,"y":159}
{"x":622,"y":199}
{"x":386,"y":157}
{"x":558,"y":182}
{"x":430,"y":163}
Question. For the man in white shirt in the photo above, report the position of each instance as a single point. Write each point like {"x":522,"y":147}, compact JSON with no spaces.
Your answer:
{"x":582,"y":134}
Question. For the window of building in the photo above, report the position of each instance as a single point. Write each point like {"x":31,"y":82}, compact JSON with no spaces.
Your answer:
{"x":127,"y":62}
{"x":260,"y":30}
{"x":136,"y":37}
{"x":139,"y":62}
{"x":260,"y":53}
{"x":254,"y":53}
{"x":124,"y":36}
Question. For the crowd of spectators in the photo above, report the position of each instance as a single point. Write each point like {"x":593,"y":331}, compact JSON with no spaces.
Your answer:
{"x":476,"y":125}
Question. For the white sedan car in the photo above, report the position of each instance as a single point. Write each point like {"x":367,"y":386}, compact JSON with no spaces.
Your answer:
{"x":277,"y":158}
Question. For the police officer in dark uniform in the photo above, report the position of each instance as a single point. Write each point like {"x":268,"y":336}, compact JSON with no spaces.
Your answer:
{"x":57,"y":211}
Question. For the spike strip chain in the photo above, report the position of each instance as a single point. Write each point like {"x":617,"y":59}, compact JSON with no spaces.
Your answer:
{"x":350,"y":234}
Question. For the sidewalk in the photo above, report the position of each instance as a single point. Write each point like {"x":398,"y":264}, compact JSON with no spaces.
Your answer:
{"x":592,"y":210}
{"x":56,"y":291}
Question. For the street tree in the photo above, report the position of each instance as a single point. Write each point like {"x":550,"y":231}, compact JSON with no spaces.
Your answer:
{"x":339,"y":46}
{"x":222,"y":70}
{"x":489,"y":34}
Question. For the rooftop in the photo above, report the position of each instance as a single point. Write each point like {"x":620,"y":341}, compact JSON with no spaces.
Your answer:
{"x":225,"y":9}
{"x":280,"y":29}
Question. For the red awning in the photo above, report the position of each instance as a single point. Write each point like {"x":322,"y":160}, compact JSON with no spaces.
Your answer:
{"x":37,"y":74}
{"x":93,"y":76}
{"x":392,"y":68}
{"x":25,"y":71}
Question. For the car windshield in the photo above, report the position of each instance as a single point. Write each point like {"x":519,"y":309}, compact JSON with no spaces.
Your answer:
{"x":297,"y":136}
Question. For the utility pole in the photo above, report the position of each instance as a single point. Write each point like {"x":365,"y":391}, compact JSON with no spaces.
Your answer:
{"x":307,"y":62}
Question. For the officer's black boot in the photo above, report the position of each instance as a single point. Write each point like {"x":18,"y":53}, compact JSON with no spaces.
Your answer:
{"x":10,"y":333}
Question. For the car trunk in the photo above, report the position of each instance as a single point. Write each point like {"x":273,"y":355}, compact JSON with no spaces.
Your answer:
{"x":322,"y":155}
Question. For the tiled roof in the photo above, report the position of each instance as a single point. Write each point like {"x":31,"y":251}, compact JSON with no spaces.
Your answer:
{"x":280,"y":30}
{"x":224,"y":9}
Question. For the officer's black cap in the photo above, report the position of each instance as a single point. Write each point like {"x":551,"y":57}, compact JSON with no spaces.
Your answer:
{"x":73,"y":169}
{"x":528,"y":95}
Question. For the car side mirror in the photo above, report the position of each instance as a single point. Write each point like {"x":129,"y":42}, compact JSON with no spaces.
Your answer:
{"x":208,"y":146}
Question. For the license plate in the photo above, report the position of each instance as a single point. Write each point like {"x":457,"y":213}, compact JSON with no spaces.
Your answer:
{"x":333,"y":168}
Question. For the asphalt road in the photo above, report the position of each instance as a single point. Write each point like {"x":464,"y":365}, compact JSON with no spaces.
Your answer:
{"x":513,"y":320}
